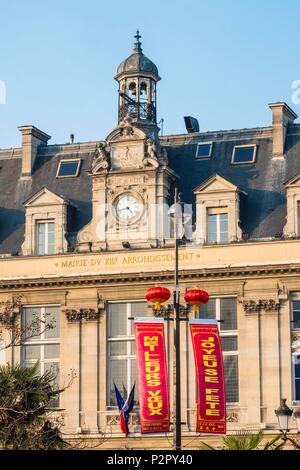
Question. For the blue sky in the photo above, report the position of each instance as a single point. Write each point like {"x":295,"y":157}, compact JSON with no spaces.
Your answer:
{"x":221,"y":61}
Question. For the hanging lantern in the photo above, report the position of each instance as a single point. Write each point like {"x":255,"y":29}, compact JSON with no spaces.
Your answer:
{"x":157,"y":295}
{"x":196,"y":297}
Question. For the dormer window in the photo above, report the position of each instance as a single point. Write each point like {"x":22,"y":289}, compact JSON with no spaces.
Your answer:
{"x":298,"y":216}
{"x":45,"y":237}
{"x":244,"y":154}
{"x":217,"y":211}
{"x":68,"y":168}
{"x":204,"y":150}
{"x":46,"y":216}
{"x":292,"y":226}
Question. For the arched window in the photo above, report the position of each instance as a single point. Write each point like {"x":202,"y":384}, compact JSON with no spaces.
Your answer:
{"x":132,"y":90}
{"x":132,"y":96}
{"x":143,"y":100}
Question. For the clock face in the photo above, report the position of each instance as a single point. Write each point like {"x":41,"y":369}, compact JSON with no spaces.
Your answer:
{"x":128,"y":209}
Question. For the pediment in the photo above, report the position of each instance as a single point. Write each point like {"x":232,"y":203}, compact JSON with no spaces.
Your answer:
{"x":44,"y":197}
{"x":216,"y":183}
{"x":293,"y":182}
{"x":125,"y":133}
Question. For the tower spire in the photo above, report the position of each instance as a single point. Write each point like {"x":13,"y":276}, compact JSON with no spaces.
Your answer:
{"x":137,"y":47}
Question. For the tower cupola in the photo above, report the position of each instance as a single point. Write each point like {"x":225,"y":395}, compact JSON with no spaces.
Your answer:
{"x":137,"y":77}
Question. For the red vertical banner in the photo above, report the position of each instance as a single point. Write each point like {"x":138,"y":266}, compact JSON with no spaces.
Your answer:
{"x":211,"y":399}
{"x":152,"y":375}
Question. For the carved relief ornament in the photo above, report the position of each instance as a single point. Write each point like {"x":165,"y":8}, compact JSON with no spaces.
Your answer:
{"x":89,"y":314}
{"x":256,"y":306}
{"x":101,"y":159}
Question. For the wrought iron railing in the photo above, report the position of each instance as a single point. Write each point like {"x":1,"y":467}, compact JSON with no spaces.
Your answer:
{"x":144,"y":111}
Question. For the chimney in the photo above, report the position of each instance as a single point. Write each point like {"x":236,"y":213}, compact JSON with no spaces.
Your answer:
{"x":32,"y":138}
{"x":282,"y":116}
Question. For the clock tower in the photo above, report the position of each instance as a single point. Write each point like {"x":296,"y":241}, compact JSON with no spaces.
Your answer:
{"x":130,"y":173}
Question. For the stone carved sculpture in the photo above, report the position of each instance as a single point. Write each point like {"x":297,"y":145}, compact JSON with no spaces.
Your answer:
{"x":126,"y":131}
{"x":101,"y":161}
{"x":125,"y":121}
{"x":127,"y":157}
{"x":151,"y":148}
{"x":151,"y":153}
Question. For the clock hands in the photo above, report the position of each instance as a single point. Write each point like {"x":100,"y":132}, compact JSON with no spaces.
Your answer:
{"x":125,"y":208}
{"x":128,"y":214}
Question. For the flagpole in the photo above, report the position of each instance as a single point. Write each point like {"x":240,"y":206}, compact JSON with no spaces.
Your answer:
{"x":176,"y":323}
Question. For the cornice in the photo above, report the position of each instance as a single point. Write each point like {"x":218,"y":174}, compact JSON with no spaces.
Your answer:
{"x":199,"y":275}
{"x":170,"y":139}
{"x":217,"y":136}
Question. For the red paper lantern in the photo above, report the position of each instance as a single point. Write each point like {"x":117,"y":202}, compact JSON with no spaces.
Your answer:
{"x":196,"y":297}
{"x":157,"y":295}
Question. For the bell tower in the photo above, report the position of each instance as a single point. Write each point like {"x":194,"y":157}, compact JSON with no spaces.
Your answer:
{"x":130,"y":172}
{"x":137,"y":77}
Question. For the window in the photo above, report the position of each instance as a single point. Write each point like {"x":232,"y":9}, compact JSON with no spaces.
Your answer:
{"x":68,"y":168}
{"x":244,"y":154}
{"x":296,"y":315}
{"x":143,"y":101}
{"x":217,"y":225}
{"x":121,"y":348}
{"x":225,"y":310}
{"x":298,"y":218}
{"x":43,"y":347}
{"x":296,"y":372}
{"x":132,"y":107}
{"x":45,"y":237}
{"x":204,"y":150}
{"x":295,"y":325}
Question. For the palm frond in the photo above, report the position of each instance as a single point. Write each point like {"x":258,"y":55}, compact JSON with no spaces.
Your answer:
{"x":205,"y":446}
{"x":247,"y":440}
{"x":243,"y":440}
{"x":25,"y":397}
{"x":272,"y":442}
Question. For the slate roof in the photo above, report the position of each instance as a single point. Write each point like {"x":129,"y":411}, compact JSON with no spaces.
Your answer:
{"x":263,"y":208}
{"x":14,"y":191}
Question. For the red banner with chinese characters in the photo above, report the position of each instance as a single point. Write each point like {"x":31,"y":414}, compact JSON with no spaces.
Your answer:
{"x":211,"y":399}
{"x":152,"y":375}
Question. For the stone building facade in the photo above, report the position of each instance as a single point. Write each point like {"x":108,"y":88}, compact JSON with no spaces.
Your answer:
{"x":85,"y":230}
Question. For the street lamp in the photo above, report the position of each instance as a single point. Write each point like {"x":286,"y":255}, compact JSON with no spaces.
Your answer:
{"x":175,"y":211}
{"x":284,"y":414}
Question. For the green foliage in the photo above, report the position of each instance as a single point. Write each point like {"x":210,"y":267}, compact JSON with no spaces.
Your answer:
{"x":25,"y":397}
{"x":275,"y":444}
{"x":246,"y":440}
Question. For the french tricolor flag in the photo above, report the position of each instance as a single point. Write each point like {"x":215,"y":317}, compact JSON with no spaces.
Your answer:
{"x":125,"y":407}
